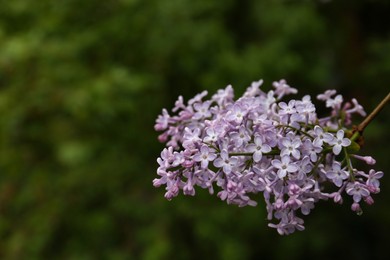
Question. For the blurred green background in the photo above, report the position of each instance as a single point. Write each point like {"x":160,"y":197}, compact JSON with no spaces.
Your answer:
{"x":81,"y":83}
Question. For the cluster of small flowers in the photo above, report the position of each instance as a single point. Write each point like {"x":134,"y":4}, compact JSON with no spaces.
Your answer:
{"x":260,"y":144}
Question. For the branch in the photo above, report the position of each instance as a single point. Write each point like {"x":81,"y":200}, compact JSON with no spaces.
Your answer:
{"x":370,"y":117}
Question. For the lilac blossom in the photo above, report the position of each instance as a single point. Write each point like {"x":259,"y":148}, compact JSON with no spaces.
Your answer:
{"x":334,"y":103}
{"x":287,"y":109}
{"x":258,"y":148}
{"x":291,"y":147}
{"x":373,"y":178}
{"x":204,"y":156}
{"x":236,"y":114}
{"x":225,"y":162}
{"x":321,"y":136}
{"x":202,"y":110}
{"x":357,"y":190}
{"x":337,"y":174}
{"x":284,"y":166}
{"x":326,"y":95}
{"x":308,"y":148}
{"x":260,"y":144}
{"x":162,"y":121}
{"x":339,"y":142}
{"x":282,"y":88}
{"x":241,"y":137}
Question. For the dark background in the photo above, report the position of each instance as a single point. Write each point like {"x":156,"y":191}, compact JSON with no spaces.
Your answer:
{"x":81,"y":83}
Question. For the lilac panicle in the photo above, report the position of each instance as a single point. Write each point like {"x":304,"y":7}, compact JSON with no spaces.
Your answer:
{"x":260,"y":143}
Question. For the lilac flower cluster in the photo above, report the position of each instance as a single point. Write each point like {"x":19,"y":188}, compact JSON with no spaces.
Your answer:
{"x":262,"y":144}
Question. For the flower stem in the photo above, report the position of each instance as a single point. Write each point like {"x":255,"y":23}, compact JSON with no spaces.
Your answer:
{"x":370,"y":117}
{"x":349,"y":165}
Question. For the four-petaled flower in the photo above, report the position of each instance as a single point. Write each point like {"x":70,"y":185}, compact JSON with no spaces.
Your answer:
{"x":337,"y":175}
{"x":225,"y":162}
{"x":284,"y":166}
{"x":339,"y":142}
{"x":202,"y":110}
{"x":241,"y":136}
{"x":258,"y":148}
{"x":236,"y":114}
{"x":373,"y":178}
{"x":321,"y":136}
{"x":291,"y":147}
{"x":204,"y":156}
{"x":357,"y":191}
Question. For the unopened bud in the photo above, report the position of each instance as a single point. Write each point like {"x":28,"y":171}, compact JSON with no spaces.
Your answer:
{"x":356,"y":207}
{"x":369,"y":200}
{"x":337,"y":198}
{"x":367,"y":159}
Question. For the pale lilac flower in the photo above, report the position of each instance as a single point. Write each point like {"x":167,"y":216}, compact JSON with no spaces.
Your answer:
{"x":282,"y":89}
{"x":197,"y":98}
{"x":204,"y":156}
{"x":254,"y":89}
{"x":357,"y":190}
{"x":321,"y":136}
{"x":287,"y":109}
{"x":224,"y":96}
{"x":305,"y":106}
{"x":191,"y":137}
{"x":162,"y":121}
{"x":225,"y":162}
{"x":337,"y":175}
{"x":334,"y":103}
{"x":307,"y":206}
{"x":236,"y":114}
{"x":357,"y":108}
{"x":339,"y":142}
{"x":179,"y":104}
{"x":311,"y":150}
{"x":327,"y":95}
{"x":258,"y":148}
{"x":202,"y":110}
{"x":304,"y":168}
{"x":290,"y":147}
{"x":284,"y":166}
{"x":373,"y":178}
{"x":211,"y":136}
{"x":241,"y":137}
{"x":268,"y":101}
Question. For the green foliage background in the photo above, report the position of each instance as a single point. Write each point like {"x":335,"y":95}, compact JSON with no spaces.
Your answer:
{"x":81,"y":83}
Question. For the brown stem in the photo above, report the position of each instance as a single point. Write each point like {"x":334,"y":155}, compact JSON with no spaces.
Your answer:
{"x":370,"y":117}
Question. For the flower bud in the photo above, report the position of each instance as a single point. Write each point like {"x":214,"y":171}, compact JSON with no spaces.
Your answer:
{"x":356,"y":207}
{"x":367,"y":159}
{"x":337,"y":198}
{"x":369,"y":200}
